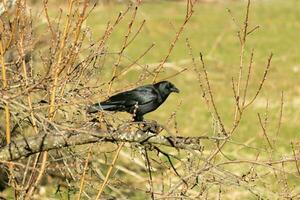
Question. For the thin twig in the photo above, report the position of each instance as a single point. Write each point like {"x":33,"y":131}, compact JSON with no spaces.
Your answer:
{"x":212,"y":96}
{"x":280,"y":115}
{"x":248,"y":78}
{"x":262,"y":81}
{"x":189,"y":13}
{"x":296,"y":161}
{"x":264,"y":130}
{"x":5,"y":85}
{"x":109,"y":171}
{"x":148,"y":166}
{"x":84,"y":172}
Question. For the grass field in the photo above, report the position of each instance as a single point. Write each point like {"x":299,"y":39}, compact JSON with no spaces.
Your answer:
{"x":212,"y":32}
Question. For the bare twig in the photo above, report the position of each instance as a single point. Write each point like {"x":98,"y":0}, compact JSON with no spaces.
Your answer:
{"x":248,"y":78}
{"x":296,"y":159}
{"x":262,"y":81}
{"x":189,"y":13}
{"x":212,"y":96}
{"x":109,"y":171}
{"x":264,"y":130}
{"x":280,"y":114}
{"x":84,"y":172}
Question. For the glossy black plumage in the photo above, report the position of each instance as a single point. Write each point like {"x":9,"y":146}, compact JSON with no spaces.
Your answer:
{"x":138,"y":101}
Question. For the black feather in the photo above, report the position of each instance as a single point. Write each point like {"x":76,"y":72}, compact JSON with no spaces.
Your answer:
{"x":138,"y":101}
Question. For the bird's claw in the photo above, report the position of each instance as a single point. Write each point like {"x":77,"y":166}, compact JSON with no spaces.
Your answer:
{"x":151,"y":126}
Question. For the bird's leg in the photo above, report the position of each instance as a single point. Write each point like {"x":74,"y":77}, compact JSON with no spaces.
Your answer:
{"x":136,"y":117}
{"x":151,"y":126}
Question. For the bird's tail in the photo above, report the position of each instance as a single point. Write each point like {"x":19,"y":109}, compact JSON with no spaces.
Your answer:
{"x":108,"y":106}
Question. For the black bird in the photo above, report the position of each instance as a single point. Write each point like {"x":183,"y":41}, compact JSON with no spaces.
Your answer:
{"x":138,"y":101}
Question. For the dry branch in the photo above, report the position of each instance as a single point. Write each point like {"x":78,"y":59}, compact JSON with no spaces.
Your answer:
{"x":50,"y":140}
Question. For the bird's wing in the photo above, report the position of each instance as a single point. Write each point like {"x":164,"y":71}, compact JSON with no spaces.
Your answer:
{"x":141,"y":95}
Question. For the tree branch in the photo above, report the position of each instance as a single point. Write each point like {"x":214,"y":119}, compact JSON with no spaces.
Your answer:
{"x":51,"y":140}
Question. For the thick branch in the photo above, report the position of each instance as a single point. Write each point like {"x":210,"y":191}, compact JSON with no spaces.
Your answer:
{"x":48,"y":141}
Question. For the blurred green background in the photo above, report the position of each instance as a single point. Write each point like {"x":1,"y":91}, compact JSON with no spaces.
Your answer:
{"x":212,"y":31}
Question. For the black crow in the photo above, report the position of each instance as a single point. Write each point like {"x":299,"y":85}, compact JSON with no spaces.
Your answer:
{"x":138,"y":101}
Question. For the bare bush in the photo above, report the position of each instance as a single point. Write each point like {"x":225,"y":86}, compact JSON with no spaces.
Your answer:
{"x":51,"y":74}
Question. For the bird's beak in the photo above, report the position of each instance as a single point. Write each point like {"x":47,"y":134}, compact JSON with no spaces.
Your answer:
{"x":174,"y":89}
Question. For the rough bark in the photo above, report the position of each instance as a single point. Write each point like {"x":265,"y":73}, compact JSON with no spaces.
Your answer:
{"x":48,"y":141}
